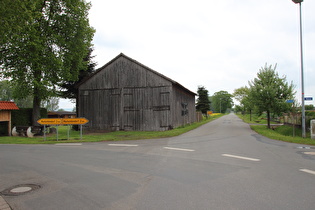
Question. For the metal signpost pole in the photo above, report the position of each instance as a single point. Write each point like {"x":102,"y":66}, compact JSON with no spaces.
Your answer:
{"x":80,"y":132}
{"x":44,"y":132}
{"x":302,"y":68}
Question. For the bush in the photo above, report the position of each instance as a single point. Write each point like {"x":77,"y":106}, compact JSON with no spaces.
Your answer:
{"x":23,"y":116}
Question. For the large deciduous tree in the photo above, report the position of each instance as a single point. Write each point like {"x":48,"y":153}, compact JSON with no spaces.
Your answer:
{"x":269,"y":92}
{"x":203,"y":103}
{"x":43,"y":42}
{"x":242,"y":95}
{"x":222,"y":101}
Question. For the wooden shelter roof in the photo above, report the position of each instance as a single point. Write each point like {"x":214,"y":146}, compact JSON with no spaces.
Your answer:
{"x":8,"y":105}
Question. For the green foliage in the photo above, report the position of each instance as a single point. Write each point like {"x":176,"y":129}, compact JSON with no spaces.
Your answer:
{"x":269,"y":92}
{"x":242,"y":95}
{"x":6,"y":94}
{"x":203,"y":103}
{"x":23,"y":116}
{"x":51,"y":104}
{"x":221,"y":101}
{"x":42,"y":44}
{"x":69,"y":89}
{"x":309,"y":107}
{"x":5,"y":91}
{"x":278,"y":134}
{"x":310,"y":114}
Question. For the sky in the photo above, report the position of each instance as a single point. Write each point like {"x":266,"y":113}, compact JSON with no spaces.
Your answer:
{"x":220,"y":45}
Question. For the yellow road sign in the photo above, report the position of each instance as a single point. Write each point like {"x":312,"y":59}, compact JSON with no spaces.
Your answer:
{"x":63,"y":121}
{"x":49,"y":121}
{"x":74,"y":121}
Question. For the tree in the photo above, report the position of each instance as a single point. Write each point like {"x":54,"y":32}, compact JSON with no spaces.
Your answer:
{"x":6,"y":94}
{"x":203,"y":103}
{"x":309,"y":107}
{"x":222,"y":101}
{"x":5,"y":91}
{"x":69,"y":89}
{"x":43,"y":42}
{"x":51,"y":104}
{"x":269,"y":92}
{"x":242,"y":95}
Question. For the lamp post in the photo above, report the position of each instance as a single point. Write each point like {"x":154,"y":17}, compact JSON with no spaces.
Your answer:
{"x":302,"y":74}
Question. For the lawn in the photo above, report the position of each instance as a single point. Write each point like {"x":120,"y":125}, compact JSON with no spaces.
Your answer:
{"x":283,"y":133}
{"x":74,"y":136}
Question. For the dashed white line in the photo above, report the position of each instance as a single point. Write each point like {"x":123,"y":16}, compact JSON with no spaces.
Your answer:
{"x":308,"y":171}
{"x":68,"y":144}
{"x":123,"y":145}
{"x":179,"y":149}
{"x":240,"y":157}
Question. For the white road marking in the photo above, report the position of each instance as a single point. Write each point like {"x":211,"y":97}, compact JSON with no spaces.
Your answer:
{"x":179,"y":149}
{"x":68,"y":144}
{"x":308,"y":171}
{"x":123,"y":145}
{"x":240,"y":157}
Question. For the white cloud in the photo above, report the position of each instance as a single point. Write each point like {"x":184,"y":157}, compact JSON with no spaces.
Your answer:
{"x":218,"y":44}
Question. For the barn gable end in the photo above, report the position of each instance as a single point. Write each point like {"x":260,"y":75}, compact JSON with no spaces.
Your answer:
{"x":126,"y":95}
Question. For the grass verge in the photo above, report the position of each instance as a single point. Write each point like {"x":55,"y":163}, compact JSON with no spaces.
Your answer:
{"x":282,"y":133}
{"x":74,"y":136}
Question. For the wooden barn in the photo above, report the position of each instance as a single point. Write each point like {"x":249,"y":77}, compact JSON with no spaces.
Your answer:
{"x":126,"y":95}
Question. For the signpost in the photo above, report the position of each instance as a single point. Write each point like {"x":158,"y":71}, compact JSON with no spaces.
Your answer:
{"x":62,"y":121}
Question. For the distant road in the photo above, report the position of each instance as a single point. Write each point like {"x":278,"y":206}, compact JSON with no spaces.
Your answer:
{"x":221,"y":165}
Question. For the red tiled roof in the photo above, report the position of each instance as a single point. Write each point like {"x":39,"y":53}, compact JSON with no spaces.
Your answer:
{"x":8,"y":105}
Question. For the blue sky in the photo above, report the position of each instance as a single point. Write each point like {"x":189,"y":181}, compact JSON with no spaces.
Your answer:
{"x":217,"y":44}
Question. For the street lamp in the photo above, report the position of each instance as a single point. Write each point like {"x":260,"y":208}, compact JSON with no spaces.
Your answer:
{"x":302,"y":74}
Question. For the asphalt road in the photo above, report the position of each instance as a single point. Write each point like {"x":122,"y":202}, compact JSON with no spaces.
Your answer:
{"x":221,"y":165}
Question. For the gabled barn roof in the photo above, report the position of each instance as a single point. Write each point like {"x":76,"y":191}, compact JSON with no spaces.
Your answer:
{"x":8,"y":105}
{"x":140,"y":64}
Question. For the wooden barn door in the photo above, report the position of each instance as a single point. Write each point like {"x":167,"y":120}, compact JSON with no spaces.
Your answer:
{"x":115,"y":109}
{"x":133,"y":106}
{"x":161,"y":107}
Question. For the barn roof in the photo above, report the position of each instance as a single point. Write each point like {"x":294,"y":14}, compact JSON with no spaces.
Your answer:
{"x":140,"y":64}
{"x":8,"y":105}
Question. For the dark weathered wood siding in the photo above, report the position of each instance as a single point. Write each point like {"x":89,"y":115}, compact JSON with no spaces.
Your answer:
{"x":184,"y":107}
{"x":125,"y":95}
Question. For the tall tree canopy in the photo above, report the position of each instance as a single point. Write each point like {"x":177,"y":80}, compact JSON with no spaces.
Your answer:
{"x":222,"y":101}
{"x":269,"y":92}
{"x":43,"y":42}
{"x":203,"y":103}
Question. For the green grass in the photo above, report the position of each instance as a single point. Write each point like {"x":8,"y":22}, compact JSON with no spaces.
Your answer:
{"x":254,"y":119}
{"x":74,"y":136}
{"x":282,"y":133}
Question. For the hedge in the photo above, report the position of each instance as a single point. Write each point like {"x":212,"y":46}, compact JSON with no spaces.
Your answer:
{"x":23,"y":116}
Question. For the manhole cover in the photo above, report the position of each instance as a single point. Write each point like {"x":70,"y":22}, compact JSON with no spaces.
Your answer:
{"x":20,"y":189}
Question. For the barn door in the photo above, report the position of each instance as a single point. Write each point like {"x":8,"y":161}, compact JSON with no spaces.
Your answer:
{"x":161,"y":107}
{"x":133,"y":106}
{"x":115,"y":109}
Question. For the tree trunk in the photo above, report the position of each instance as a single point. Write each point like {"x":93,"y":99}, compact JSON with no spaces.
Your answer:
{"x":268,"y":118}
{"x":36,"y":108}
